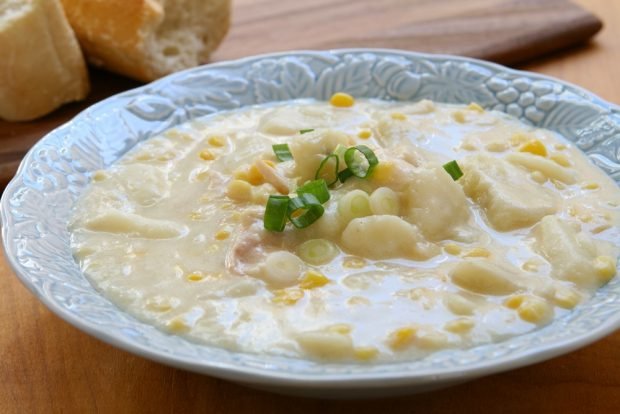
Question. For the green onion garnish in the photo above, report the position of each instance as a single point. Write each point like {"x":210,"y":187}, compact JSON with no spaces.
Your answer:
{"x":344,"y":175}
{"x":304,"y":210}
{"x":305,"y":131}
{"x":317,"y":188}
{"x":356,"y":165}
{"x":453,"y":169}
{"x":330,"y":179}
{"x":276,"y":212}
{"x":283,"y":153}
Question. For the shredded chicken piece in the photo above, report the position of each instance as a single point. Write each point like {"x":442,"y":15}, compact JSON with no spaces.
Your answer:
{"x":272,"y":177}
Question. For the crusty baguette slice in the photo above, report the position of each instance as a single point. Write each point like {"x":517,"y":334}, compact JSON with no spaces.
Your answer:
{"x":147,"y":39}
{"x":41,"y":65}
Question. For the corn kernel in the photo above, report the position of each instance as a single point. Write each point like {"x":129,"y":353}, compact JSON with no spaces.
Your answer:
{"x":357,"y":300}
{"x":535,"y":310}
{"x":195,"y":216}
{"x":313,"y":279}
{"x":206,"y":155}
{"x":560,"y":159}
{"x":475,"y":107}
{"x":364,"y":134}
{"x":513,"y":302}
{"x":535,"y":147}
{"x":217,"y":141}
{"x":222,"y":235}
{"x":354,"y":262}
{"x":287,"y":296}
{"x":467,"y":146}
{"x":539,"y":177}
{"x":341,"y":100}
{"x":453,"y":249}
{"x":601,"y":228}
{"x":605,"y":267}
{"x":100,"y":175}
{"x":241,"y":174}
{"x":341,"y":328}
{"x":590,"y":186}
{"x":177,"y":325}
{"x":459,"y":326}
{"x":398,"y":116}
{"x":382,"y":173}
{"x":254,"y":175}
{"x":195,"y":276}
{"x":365,"y":353}
{"x":239,"y":190}
{"x":431,"y":340}
{"x":159,"y":304}
{"x":477,"y":252}
{"x":459,"y":117}
{"x":518,"y":139}
{"x":566,"y":298}
{"x":401,"y":338}
{"x":559,"y":147}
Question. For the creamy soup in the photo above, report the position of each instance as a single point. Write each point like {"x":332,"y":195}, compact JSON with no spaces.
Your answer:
{"x":404,"y":258}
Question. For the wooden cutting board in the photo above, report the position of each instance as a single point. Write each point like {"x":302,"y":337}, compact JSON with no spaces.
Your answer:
{"x":505,"y":31}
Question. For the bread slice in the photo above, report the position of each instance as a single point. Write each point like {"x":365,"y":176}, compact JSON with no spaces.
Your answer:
{"x":147,"y":39}
{"x":41,"y":65}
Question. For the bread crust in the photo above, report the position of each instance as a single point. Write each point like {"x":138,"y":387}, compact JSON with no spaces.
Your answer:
{"x":115,"y":34}
{"x":42,"y":66}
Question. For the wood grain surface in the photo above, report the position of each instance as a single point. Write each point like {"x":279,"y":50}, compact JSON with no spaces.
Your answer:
{"x":47,"y":366}
{"x":505,"y":31}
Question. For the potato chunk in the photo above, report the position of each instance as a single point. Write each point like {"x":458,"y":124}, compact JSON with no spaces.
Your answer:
{"x":435,"y":203}
{"x":573,"y":255}
{"x":311,"y":148}
{"x":384,"y":237}
{"x":508,"y":197}
{"x":549,"y":168}
{"x":485,"y":277}
{"x":114,"y":221}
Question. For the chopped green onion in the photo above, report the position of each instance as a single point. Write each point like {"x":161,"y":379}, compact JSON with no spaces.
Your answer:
{"x":305,"y":131}
{"x":324,"y":174}
{"x":304,"y":210}
{"x":283,"y":153}
{"x":358,"y":167}
{"x":344,"y":175}
{"x":453,"y":169}
{"x":317,"y":188}
{"x":276,"y":212}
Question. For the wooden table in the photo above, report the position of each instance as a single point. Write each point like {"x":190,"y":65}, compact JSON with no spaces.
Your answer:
{"x":47,"y":366}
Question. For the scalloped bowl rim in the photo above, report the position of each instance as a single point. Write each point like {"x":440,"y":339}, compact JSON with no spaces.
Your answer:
{"x":260,"y":376}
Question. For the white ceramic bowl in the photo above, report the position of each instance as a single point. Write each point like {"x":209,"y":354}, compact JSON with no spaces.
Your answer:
{"x":36,"y":205}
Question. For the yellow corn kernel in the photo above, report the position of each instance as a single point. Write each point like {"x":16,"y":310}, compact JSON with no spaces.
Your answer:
{"x":605,"y":267}
{"x":530,"y":265}
{"x":177,"y":325}
{"x":559,"y":147}
{"x":513,"y":302}
{"x":365,"y":353}
{"x":566,"y":298}
{"x":401,"y":338}
{"x":398,"y":116}
{"x":195,"y":276}
{"x":254,"y":175}
{"x":159,"y":304}
{"x":241,"y":174}
{"x":601,"y":228}
{"x":222,"y":235}
{"x":239,"y":190}
{"x":453,"y":249}
{"x":431,"y":340}
{"x":560,"y":159}
{"x":354,"y":263}
{"x":287,"y":296}
{"x":459,"y":117}
{"x":341,"y":100}
{"x":364,"y":134}
{"x":382,"y":173}
{"x":477,"y":252}
{"x":518,"y":139}
{"x":585,"y":217}
{"x":590,"y":186}
{"x":341,"y":328}
{"x":100,"y":175}
{"x":206,"y":155}
{"x":357,"y":300}
{"x":535,"y":310}
{"x":216,"y":141}
{"x":535,"y":147}
{"x":539,"y":177}
{"x":313,"y":279}
{"x":459,"y":326}
{"x":475,"y":107}
{"x":195,"y":216}
{"x":467,"y":146}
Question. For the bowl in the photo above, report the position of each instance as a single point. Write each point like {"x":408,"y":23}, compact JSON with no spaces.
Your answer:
{"x":37,"y":204}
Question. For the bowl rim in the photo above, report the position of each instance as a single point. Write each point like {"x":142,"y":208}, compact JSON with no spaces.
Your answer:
{"x":261,"y":376}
